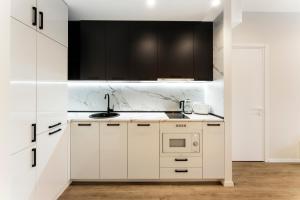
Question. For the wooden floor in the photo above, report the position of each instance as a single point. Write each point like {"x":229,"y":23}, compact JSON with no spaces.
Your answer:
{"x":253,"y":181}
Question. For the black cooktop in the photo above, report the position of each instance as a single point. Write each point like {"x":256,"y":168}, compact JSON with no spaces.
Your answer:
{"x":176,"y":115}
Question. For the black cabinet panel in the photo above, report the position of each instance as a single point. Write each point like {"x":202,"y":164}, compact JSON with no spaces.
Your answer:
{"x":93,"y":51}
{"x":203,"y":53}
{"x":176,"y":49}
{"x":143,"y":51}
{"x":74,"y":50}
{"x":117,"y":48}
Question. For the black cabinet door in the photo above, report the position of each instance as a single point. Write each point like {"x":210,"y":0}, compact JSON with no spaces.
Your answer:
{"x":93,"y":55}
{"x":74,"y":50}
{"x":203,"y":53}
{"x":176,"y":49}
{"x":117,"y":48}
{"x":143,"y":51}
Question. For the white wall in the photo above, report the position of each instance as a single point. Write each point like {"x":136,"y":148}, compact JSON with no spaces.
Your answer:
{"x":281,"y":32}
{"x":4,"y":78}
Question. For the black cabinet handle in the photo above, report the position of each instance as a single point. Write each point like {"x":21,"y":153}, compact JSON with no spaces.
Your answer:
{"x":55,"y":125}
{"x":181,"y":159}
{"x":52,"y":133}
{"x":113,"y":124}
{"x":34,"y":16}
{"x":181,"y":170}
{"x":143,"y":125}
{"x":41,"y":25}
{"x":34,"y":132}
{"x":213,"y":124}
{"x":34,"y":157}
{"x":84,"y":124}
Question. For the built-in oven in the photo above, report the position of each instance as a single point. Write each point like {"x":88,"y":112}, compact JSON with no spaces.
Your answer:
{"x":180,"y":142}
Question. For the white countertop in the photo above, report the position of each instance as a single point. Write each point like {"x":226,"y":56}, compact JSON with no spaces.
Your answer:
{"x":141,"y":116}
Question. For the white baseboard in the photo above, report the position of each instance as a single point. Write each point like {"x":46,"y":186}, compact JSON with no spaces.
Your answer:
{"x":279,"y":160}
{"x":227,"y":183}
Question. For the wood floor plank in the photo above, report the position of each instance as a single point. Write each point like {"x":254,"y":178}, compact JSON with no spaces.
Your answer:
{"x":253,"y":181}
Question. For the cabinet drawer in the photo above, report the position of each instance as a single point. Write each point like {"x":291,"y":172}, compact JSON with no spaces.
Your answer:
{"x":181,"y":126}
{"x":180,"y":173}
{"x":181,"y":161}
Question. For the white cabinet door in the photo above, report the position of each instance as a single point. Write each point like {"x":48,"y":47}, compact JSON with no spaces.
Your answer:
{"x":24,"y":11}
{"x":22,"y":85}
{"x":113,"y":150}
{"x":85,"y":150}
{"x":213,"y":151}
{"x":143,"y":150}
{"x":23,"y":175}
{"x":53,"y":14}
{"x":52,"y":163}
{"x":52,"y":75}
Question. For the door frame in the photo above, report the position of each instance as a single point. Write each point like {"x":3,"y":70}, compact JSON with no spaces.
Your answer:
{"x":266,"y":58}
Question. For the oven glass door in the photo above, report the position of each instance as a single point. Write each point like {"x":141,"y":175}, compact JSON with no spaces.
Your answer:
{"x":176,"y":143}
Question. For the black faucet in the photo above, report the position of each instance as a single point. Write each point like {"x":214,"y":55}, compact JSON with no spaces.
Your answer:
{"x":108,"y":103}
{"x":181,"y":106}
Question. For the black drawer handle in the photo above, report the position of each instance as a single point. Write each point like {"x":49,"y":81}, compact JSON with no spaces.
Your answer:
{"x":41,"y":25}
{"x":84,"y":124}
{"x":113,"y":124}
{"x":180,"y":125}
{"x":181,"y":170}
{"x":34,"y":133}
{"x":34,"y":157}
{"x":213,"y":124}
{"x":143,"y":125}
{"x":34,"y":16}
{"x":55,"y":125}
{"x":52,"y":133}
{"x":181,"y":159}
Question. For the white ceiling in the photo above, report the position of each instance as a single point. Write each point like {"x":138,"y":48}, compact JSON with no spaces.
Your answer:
{"x":168,"y":10}
{"x":271,"y":5}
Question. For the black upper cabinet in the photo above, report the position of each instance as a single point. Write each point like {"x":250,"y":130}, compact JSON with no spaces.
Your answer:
{"x":140,"y":50}
{"x":176,"y":50}
{"x":203,"y":53}
{"x":93,"y":51}
{"x":143,"y":51}
{"x":74,"y":50}
{"x":117,"y":47}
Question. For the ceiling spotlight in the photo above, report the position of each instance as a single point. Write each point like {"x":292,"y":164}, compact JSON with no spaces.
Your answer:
{"x":151,"y":3}
{"x":215,"y":3}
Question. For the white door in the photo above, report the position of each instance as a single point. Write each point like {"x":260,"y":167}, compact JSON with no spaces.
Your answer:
{"x":53,"y":19}
{"x":113,"y":150}
{"x":248,"y":103}
{"x":143,"y":150}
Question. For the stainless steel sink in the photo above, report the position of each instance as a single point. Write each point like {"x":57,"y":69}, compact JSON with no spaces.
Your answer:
{"x":104,"y":115}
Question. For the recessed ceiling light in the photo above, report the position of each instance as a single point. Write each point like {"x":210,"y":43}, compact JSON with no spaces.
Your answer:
{"x":151,"y":3}
{"x":215,"y":3}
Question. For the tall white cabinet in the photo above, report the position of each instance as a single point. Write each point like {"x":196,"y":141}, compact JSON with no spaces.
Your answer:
{"x":38,"y":95}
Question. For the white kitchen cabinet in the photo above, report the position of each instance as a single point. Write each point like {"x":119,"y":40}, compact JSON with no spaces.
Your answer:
{"x":22,"y":85}
{"x":113,"y":150}
{"x":213,"y":150}
{"x":85,"y":150}
{"x":52,"y":163}
{"x":53,"y":14}
{"x":23,"y":10}
{"x":143,"y":150}
{"x":51,"y":83}
{"x":23,"y":175}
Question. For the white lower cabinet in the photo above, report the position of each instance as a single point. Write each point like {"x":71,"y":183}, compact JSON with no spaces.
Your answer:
{"x":52,"y":163}
{"x":143,"y":150}
{"x":113,"y":150}
{"x":213,"y":151}
{"x":85,"y":150}
{"x":23,"y":174}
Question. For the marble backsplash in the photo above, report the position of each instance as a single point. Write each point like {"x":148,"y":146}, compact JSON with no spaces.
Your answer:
{"x":128,"y":96}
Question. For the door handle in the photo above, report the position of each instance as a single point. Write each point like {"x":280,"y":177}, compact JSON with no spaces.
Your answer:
{"x":41,"y":25}
{"x":181,"y":159}
{"x":181,"y":170}
{"x":34,"y":132}
{"x":113,"y":124}
{"x":34,"y":16}
{"x":143,"y":125}
{"x":52,"y":133}
{"x":55,"y":125}
{"x":34,"y":157}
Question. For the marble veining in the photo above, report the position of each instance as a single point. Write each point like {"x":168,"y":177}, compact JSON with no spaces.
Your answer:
{"x":154,"y":96}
